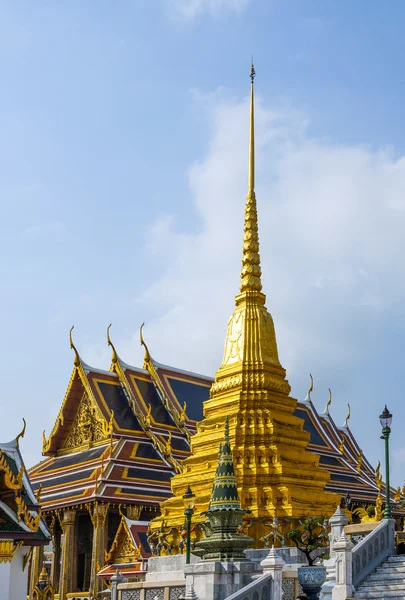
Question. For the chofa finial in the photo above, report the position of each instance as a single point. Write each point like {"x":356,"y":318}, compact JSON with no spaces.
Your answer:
{"x":348,"y":415}
{"x":77,"y":357}
{"x":21,"y":434}
{"x":147,"y":355}
{"x":329,"y":402}
{"x":114,"y":357}
{"x":310,"y":389}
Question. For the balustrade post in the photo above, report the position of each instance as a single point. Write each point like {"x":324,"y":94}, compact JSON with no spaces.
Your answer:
{"x":274,"y":564}
{"x":344,"y":575}
{"x":337,"y":523}
{"x":115,"y":580}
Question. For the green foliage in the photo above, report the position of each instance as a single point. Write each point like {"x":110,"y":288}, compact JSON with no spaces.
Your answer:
{"x":310,"y":536}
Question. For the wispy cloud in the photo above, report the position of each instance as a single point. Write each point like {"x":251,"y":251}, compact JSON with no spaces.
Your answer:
{"x":55,"y":228}
{"x":187,"y":10}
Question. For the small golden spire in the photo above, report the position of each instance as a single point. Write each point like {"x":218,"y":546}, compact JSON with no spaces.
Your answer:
{"x":147,"y":355}
{"x":329,"y":402}
{"x":251,"y":271}
{"x":114,"y":357}
{"x":73,"y":347}
{"x":21,"y":434}
{"x":348,"y":416}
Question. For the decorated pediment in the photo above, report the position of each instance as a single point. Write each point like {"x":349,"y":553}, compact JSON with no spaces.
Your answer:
{"x":123,"y":549}
{"x":88,"y":427}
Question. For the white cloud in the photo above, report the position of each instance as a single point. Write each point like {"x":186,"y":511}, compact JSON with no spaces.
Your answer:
{"x":331,"y":227}
{"x":188,"y":10}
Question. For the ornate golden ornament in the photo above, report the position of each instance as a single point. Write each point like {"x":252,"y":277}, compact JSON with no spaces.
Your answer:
{"x":12,"y":482}
{"x":342,"y":444}
{"x":310,"y":389}
{"x":359,"y":461}
{"x":8,"y":549}
{"x":378,"y":476}
{"x":397,"y":495}
{"x":88,"y":428}
{"x":24,"y":514}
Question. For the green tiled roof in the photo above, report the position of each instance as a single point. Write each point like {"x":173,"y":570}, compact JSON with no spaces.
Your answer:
{"x":7,"y":524}
{"x":224,"y":493}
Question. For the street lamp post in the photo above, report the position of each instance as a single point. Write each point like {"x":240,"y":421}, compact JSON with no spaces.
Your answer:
{"x":188,"y":499}
{"x":386,"y":420}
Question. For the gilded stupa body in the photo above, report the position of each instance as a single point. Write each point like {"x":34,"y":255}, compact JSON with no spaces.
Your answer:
{"x":276,"y":475}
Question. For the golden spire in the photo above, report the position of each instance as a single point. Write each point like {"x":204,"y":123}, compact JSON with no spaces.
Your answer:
{"x":251,"y":271}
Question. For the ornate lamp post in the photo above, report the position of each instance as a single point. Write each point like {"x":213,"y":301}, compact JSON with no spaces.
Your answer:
{"x":188,"y":499}
{"x":386,"y":420}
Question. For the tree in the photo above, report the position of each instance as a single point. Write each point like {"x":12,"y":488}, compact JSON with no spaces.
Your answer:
{"x":312,"y":535}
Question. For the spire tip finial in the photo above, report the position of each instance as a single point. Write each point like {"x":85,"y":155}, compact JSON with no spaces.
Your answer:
{"x":252,"y":71}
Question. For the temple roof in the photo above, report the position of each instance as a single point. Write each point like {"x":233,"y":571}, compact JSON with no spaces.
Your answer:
{"x":120,"y":435}
{"x":129,"y":551}
{"x":20,"y":512}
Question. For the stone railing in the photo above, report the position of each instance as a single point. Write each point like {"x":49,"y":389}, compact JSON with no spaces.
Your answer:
{"x":153,"y":590}
{"x":259,"y":589}
{"x":373,"y":550}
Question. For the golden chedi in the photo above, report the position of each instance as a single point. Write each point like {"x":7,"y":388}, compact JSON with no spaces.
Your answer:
{"x":276,"y":475}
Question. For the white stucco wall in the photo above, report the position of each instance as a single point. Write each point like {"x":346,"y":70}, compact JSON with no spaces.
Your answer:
{"x":13,"y":580}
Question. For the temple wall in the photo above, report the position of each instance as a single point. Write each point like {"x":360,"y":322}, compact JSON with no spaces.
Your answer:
{"x":13,"y":580}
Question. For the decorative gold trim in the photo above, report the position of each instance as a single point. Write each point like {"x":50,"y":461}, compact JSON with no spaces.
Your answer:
{"x":148,"y":364}
{"x":23,"y":512}
{"x":8,"y":549}
{"x":13,"y":482}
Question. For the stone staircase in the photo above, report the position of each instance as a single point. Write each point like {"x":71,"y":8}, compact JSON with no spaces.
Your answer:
{"x":387,"y":581}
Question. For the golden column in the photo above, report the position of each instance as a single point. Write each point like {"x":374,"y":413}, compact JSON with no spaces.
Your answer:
{"x":37,"y":559}
{"x":55,"y":568}
{"x":67,"y":520}
{"x":98,"y":513}
{"x":275,"y":473}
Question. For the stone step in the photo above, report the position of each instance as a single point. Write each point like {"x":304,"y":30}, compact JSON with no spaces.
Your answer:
{"x":390,"y":575}
{"x":379,"y":595}
{"x":390,"y":568}
{"x":397,"y":558}
{"x":400,"y":588}
{"x":392,"y":578}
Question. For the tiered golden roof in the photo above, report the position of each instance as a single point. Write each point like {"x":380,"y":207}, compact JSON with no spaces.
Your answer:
{"x":276,"y":475}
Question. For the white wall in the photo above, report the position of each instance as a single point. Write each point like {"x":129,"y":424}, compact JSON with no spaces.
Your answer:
{"x":19,"y":578}
{"x":13,"y":580}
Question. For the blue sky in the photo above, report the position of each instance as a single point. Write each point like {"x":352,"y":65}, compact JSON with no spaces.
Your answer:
{"x":123,"y":175}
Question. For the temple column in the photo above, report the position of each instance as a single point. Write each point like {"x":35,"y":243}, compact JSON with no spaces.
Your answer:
{"x":55,"y":568}
{"x":67,"y":520}
{"x":98,"y":514}
{"x":37,"y":559}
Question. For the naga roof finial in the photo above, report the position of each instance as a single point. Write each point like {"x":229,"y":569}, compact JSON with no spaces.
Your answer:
{"x":329,"y":402}
{"x":73,"y":347}
{"x":348,"y":415}
{"x":310,"y":389}
{"x":21,"y":434}
{"x":114,"y":357}
{"x":147,"y":355}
